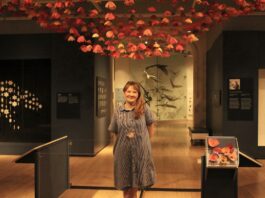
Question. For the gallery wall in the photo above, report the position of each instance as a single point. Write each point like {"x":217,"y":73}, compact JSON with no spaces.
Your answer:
{"x":102,"y":119}
{"x":24,"y":104}
{"x":23,"y":48}
{"x":241,"y":61}
{"x":214,"y":87}
{"x":73,"y":85}
{"x":237,"y":113}
{"x":73,"y":73}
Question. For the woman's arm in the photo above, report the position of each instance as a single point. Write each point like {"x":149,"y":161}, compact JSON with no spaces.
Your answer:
{"x":113,"y":137}
{"x":150,"y":121}
{"x":151,"y":130}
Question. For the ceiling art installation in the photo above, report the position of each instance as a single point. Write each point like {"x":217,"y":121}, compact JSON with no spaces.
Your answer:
{"x":130,"y":28}
{"x":11,"y":98}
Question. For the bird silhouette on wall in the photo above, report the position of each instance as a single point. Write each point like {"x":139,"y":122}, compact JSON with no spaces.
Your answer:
{"x":174,"y":85}
{"x":168,"y":97}
{"x":11,"y":98}
{"x":163,"y":68}
{"x":161,"y":89}
{"x":166,"y":105}
{"x":149,"y":76}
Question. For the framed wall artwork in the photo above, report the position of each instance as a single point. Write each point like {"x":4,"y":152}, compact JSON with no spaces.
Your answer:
{"x":234,"y":84}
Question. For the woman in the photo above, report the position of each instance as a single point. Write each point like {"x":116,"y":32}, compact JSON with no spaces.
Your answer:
{"x":133,"y":126}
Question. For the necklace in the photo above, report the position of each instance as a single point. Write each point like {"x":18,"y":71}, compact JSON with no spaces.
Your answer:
{"x":128,"y":106}
{"x":130,"y":130}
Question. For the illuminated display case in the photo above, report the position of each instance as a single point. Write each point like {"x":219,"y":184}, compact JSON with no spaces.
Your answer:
{"x":222,"y":152}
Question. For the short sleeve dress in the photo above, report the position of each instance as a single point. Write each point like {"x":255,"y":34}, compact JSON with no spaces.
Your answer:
{"x":133,"y":163}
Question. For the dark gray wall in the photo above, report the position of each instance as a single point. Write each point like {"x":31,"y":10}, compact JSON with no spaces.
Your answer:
{"x":23,"y":47}
{"x":72,"y":72}
{"x":241,"y":59}
{"x":214,"y":87}
{"x":243,"y":55}
{"x":102,"y":69}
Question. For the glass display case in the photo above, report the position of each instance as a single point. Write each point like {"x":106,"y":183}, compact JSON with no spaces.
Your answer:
{"x":222,"y":152}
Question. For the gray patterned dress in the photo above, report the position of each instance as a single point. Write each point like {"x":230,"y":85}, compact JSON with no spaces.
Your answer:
{"x":133,"y":163}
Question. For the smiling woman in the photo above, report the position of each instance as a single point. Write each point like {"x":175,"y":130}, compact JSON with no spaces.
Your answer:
{"x":131,"y":95}
{"x":132,"y":123}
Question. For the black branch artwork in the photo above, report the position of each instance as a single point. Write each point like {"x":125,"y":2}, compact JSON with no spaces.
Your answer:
{"x":147,"y":96}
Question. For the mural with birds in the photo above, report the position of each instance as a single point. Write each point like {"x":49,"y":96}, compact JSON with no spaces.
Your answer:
{"x":163,"y":84}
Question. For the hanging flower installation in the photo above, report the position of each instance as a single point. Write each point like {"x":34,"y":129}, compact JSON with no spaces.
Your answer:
{"x":12,"y":97}
{"x":130,"y":28}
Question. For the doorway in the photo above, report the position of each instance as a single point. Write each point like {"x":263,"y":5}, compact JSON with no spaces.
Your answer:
{"x":168,"y":88}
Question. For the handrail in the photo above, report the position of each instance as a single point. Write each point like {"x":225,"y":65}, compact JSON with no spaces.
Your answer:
{"x":42,"y":146}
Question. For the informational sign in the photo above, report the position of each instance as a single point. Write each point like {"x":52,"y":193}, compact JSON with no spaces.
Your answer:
{"x":68,"y":105}
{"x":240,"y":99}
{"x":101,"y":100}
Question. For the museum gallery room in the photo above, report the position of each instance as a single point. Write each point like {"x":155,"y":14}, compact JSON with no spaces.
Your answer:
{"x":199,"y":67}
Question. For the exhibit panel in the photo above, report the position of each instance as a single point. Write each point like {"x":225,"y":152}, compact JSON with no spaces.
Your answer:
{"x":240,"y":99}
{"x":25,"y":100}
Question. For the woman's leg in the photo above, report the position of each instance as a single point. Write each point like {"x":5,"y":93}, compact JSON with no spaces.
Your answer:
{"x":130,"y":193}
{"x":133,"y":192}
{"x":126,"y":193}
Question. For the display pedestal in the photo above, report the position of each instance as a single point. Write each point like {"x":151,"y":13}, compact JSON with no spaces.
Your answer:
{"x":51,"y":162}
{"x":218,"y":182}
{"x":198,"y":134}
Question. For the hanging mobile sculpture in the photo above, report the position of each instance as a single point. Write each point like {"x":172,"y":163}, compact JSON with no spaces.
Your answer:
{"x":11,"y":98}
{"x":130,"y":28}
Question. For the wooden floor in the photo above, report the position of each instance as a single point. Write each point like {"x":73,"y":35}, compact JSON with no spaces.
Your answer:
{"x":118,"y":194}
{"x":175,"y":160}
{"x":177,"y":166}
